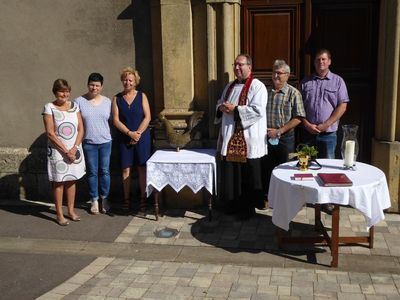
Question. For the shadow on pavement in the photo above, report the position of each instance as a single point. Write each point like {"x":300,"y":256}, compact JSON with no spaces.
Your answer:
{"x":255,"y":235}
{"x":38,"y":221}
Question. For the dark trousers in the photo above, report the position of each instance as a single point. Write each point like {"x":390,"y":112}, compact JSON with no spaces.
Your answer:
{"x":277,"y":155}
{"x":241,"y":185}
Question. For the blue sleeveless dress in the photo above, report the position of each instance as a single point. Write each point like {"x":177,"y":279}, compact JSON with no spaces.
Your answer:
{"x":132,"y":115}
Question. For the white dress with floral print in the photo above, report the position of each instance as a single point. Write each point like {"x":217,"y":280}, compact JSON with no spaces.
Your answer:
{"x":66,"y":130}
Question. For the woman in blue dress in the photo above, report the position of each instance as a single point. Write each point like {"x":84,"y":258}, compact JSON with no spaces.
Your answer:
{"x":131,"y":116}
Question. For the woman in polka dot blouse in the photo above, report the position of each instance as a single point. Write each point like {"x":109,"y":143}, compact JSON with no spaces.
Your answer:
{"x":65,"y":160}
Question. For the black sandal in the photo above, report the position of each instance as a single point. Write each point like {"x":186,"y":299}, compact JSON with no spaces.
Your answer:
{"x":126,"y":205}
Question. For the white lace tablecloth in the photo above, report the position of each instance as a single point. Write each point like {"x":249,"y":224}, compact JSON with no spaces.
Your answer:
{"x":194,"y":168}
{"x":369,"y":193}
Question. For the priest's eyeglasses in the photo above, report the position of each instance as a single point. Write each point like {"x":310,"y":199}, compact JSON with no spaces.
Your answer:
{"x":239,"y":65}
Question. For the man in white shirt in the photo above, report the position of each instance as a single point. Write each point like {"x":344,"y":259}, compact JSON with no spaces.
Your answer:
{"x":242,"y":140}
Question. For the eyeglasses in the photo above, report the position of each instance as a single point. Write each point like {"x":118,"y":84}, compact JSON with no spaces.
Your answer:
{"x":239,"y":64}
{"x":279,"y":73}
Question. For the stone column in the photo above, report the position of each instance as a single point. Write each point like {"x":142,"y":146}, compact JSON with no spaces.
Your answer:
{"x":386,"y":144}
{"x":173,"y":50}
{"x":172,"y":25}
{"x":223,"y":37}
{"x":177,"y":54}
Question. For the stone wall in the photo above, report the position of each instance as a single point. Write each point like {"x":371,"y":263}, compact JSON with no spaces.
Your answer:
{"x":43,"y":40}
{"x":71,"y":39}
{"x":23,"y":175}
{"x":386,"y":142}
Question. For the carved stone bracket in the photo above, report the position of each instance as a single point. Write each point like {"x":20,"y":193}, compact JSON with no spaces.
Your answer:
{"x":180,"y":121}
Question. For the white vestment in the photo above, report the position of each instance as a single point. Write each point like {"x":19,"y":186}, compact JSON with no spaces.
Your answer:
{"x":253,"y":118}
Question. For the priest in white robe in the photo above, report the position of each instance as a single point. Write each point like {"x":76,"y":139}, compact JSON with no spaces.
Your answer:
{"x":242,"y":140}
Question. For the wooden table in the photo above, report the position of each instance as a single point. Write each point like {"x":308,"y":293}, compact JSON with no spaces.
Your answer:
{"x":194,"y":168}
{"x":369,"y":194}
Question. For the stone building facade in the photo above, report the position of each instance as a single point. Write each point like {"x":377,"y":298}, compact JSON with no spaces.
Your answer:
{"x":183,"y":49}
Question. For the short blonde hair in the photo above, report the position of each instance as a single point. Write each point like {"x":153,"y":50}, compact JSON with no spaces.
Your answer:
{"x":128,"y":71}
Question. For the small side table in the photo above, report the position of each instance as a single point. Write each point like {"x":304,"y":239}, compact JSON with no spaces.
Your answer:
{"x":369,"y":194}
{"x":194,"y":168}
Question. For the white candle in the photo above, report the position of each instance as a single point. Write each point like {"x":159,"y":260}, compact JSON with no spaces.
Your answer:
{"x":349,"y":153}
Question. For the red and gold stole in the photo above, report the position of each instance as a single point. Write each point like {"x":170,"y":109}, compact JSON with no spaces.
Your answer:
{"x":237,"y":147}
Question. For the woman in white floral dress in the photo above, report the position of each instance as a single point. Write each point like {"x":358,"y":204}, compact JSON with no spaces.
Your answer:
{"x":65,"y":160}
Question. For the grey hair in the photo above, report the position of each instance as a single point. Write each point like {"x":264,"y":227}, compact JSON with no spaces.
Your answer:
{"x":281,"y":64}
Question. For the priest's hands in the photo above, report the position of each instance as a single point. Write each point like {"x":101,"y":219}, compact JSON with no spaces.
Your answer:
{"x":227,"y":107}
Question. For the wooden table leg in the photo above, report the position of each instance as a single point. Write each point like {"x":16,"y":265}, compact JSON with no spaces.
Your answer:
{"x":334,"y":242}
{"x":156,"y":207}
{"x":371,"y":237}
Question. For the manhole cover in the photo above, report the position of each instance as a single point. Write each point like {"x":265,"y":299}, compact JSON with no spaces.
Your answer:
{"x":166,"y":232}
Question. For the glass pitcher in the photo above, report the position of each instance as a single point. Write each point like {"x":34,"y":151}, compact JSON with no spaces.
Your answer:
{"x":349,"y":147}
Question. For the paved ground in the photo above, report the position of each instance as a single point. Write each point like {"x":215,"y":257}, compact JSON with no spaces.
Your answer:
{"x":110,"y":257}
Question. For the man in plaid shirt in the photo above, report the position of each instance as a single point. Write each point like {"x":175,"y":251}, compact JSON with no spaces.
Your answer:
{"x":285,"y":111}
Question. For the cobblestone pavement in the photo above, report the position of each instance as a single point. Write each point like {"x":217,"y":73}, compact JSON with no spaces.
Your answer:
{"x":113,"y":278}
{"x":259,"y":232}
{"x":248,"y":264}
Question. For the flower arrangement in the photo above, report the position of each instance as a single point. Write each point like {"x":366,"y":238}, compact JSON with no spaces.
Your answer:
{"x":304,"y":150}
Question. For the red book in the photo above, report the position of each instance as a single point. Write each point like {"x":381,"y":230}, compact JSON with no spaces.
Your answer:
{"x":335,"y":179}
{"x":303,"y":176}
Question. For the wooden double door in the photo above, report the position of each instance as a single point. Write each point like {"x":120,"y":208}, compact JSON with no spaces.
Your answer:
{"x":294,"y":29}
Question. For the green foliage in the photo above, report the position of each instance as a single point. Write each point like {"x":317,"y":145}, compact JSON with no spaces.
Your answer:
{"x":303,"y":149}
